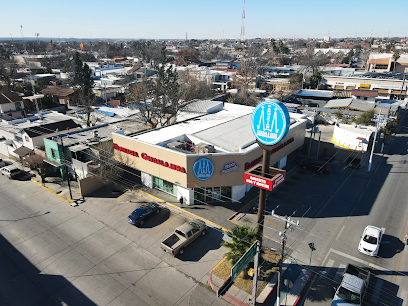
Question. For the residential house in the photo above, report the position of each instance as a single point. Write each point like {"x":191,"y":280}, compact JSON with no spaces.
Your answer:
{"x":34,"y":136}
{"x":11,"y":106}
{"x":62,"y":95}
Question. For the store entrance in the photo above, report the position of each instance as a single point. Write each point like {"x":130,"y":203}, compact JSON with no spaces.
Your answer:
{"x":203,"y":195}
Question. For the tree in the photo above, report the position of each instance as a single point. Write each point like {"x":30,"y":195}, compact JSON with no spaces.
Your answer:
{"x":242,"y":238}
{"x":395,"y":57}
{"x":84,"y":83}
{"x":312,"y":61}
{"x":366,"y":118}
{"x":296,"y":81}
{"x":189,"y":55}
{"x":48,"y":68}
{"x":193,"y":88}
{"x":164,"y":94}
{"x":315,"y":79}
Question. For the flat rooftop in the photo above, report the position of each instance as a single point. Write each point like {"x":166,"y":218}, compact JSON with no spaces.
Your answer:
{"x":228,"y":130}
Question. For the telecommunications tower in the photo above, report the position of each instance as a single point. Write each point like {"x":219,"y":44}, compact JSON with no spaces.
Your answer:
{"x":243,"y":25}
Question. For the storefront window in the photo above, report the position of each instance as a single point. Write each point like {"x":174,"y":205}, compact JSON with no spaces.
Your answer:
{"x":211,"y":194}
{"x":199,"y":196}
{"x":164,"y":185}
{"x":226,"y":193}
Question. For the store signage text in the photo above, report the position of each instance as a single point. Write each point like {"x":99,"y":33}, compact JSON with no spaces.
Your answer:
{"x":264,"y":183}
{"x":124,"y":150}
{"x":150,"y":159}
{"x":280,"y":146}
{"x":229,"y":168}
{"x":270,"y":122}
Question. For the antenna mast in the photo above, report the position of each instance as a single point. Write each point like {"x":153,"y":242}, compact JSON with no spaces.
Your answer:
{"x":243,"y":25}
{"x":29,"y":70}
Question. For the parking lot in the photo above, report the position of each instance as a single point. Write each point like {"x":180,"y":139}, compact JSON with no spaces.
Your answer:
{"x":198,"y":258}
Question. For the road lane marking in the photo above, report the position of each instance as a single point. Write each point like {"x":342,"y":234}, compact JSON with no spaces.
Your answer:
{"x":360,"y":196}
{"x":338,"y":236}
{"x":351,"y":213}
{"x":377,"y":290}
{"x":383,"y":229}
{"x":167,"y":224}
{"x":358,"y":260}
{"x":122,"y":196}
{"x":369,"y":181}
{"x":124,"y":208}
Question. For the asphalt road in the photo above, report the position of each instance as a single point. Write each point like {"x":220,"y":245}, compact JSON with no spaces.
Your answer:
{"x":382,"y":202}
{"x":55,"y":254}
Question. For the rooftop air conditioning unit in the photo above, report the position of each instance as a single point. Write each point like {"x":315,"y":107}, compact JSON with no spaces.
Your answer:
{"x":204,"y":148}
{"x":182,"y":145}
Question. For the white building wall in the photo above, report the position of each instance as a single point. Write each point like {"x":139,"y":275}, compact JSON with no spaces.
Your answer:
{"x":348,"y":138}
{"x":187,"y":194}
{"x":7,"y":107}
{"x":238,"y":192}
{"x":147,"y":179}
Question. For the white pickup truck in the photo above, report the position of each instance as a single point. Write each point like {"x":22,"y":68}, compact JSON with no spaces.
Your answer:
{"x":183,"y":236}
{"x":353,"y":286}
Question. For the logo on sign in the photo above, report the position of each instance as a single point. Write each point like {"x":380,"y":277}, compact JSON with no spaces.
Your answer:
{"x":203,"y":169}
{"x":270,"y":122}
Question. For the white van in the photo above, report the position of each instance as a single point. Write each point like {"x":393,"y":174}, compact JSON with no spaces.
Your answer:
{"x":10,"y":171}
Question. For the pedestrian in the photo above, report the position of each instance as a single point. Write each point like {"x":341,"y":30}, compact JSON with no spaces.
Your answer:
{"x":181,"y":201}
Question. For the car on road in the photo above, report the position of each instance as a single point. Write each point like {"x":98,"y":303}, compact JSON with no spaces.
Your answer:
{"x":144,"y":212}
{"x":10,"y":171}
{"x":315,"y":165}
{"x":370,"y":240}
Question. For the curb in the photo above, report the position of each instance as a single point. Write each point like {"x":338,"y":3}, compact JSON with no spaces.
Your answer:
{"x":178,"y":208}
{"x":304,"y":289}
{"x":227,"y":297}
{"x":61,"y":196}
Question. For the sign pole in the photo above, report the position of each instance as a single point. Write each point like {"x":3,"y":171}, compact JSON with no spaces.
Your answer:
{"x":262,"y":195}
{"x":255,"y":283}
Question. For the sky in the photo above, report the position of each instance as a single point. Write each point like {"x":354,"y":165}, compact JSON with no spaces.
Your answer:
{"x":210,"y":19}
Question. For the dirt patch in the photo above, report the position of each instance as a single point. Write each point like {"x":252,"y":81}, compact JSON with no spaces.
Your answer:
{"x":244,"y":281}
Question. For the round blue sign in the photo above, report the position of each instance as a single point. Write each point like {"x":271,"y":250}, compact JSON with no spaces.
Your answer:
{"x":203,"y":169}
{"x":270,"y":122}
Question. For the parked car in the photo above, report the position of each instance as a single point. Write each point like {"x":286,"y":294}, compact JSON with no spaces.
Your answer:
{"x":144,"y":212}
{"x":315,"y":165}
{"x":10,"y":171}
{"x":183,"y":236}
{"x":2,"y":163}
{"x":370,"y":240}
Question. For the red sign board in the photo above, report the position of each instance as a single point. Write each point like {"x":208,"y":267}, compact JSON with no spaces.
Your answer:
{"x":261,"y":182}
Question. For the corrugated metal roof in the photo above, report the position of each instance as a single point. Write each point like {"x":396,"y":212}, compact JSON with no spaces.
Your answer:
{"x":361,"y":105}
{"x":338,"y":103}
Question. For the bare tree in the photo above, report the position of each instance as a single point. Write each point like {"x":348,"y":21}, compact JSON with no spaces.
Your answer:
{"x":310,"y":60}
{"x":159,"y":100}
{"x":195,"y":87}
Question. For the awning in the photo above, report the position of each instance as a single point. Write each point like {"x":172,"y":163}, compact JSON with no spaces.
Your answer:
{"x":351,"y":87}
{"x":338,"y":87}
{"x":23,"y":151}
{"x":52,"y":162}
{"x":382,"y":91}
{"x":398,"y":92}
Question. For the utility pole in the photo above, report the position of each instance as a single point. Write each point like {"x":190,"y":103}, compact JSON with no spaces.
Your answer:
{"x":402,"y":87}
{"x":377,"y":120}
{"x":288,"y":223}
{"x":66,"y":168}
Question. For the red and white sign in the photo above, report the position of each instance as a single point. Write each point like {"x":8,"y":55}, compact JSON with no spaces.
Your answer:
{"x":264,"y":183}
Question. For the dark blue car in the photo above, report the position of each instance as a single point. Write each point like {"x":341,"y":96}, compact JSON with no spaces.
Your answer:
{"x":144,"y":212}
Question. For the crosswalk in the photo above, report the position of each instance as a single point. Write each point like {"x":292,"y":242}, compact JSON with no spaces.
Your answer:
{"x":379,"y":292}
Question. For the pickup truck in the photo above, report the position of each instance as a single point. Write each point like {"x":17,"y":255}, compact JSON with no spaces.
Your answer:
{"x":183,"y":236}
{"x":352,"y":288}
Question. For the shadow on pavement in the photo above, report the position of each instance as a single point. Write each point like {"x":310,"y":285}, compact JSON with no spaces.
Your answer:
{"x":393,"y":246}
{"x":199,"y":247}
{"x":29,"y":286}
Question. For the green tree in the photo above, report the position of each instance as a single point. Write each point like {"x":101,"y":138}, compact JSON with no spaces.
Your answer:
{"x":395,"y":57}
{"x":48,"y":68}
{"x":366,"y":118}
{"x":84,"y":83}
{"x":296,"y":81}
{"x":315,"y":79}
{"x":242,"y":238}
